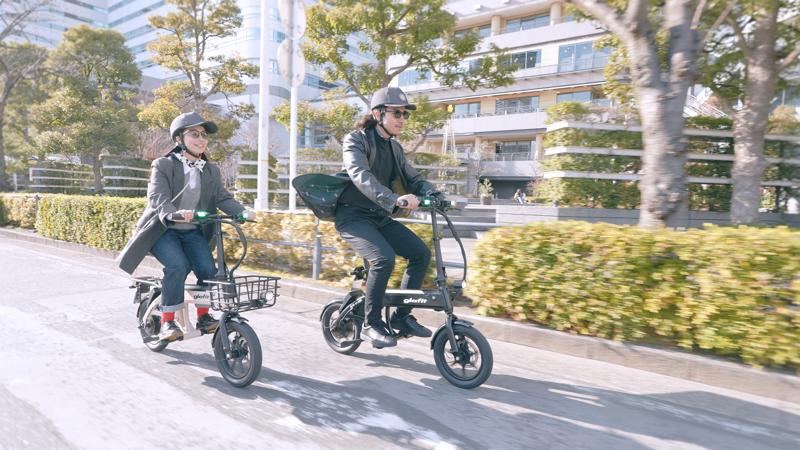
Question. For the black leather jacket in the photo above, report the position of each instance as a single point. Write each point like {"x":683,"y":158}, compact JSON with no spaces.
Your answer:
{"x":358,"y":151}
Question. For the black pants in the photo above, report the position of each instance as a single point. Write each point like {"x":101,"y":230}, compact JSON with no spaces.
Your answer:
{"x":378,"y":238}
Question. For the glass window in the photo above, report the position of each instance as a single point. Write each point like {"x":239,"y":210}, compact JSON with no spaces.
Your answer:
{"x":526,"y":23}
{"x":518,"y":60}
{"x":517,"y":105}
{"x":583,"y":56}
{"x":413,"y":76}
{"x":535,"y":22}
{"x":513,"y":147}
{"x":533,"y":59}
{"x":467,"y":109}
{"x":566,"y":58}
{"x":579,"y":96}
{"x":483,"y":31}
{"x":278,"y":36}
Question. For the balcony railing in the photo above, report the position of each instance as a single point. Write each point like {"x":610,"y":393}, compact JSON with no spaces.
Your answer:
{"x":515,"y":156}
{"x":573,"y":65}
{"x":506,"y":112}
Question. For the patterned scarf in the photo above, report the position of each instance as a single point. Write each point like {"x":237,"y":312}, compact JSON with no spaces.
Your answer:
{"x":199,"y":164}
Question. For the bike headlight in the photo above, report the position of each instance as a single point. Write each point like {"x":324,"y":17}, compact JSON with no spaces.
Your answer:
{"x":201,"y":214}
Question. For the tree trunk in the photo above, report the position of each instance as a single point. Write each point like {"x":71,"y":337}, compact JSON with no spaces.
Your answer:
{"x":97,"y":170}
{"x":3,"y":175}
{"x":664,"y":196}
{"x":750,"y":123}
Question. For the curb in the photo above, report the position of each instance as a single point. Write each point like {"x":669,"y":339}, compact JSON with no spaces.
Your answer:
{"x":702,"y":369}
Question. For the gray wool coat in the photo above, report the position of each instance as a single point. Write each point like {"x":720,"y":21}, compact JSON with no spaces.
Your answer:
{"x":166,"y":182}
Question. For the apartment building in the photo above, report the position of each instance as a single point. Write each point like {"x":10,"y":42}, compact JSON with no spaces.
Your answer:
{"x":502,"y":129}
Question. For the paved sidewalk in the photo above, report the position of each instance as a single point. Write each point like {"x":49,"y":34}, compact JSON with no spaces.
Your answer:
{"x":707,"y":370}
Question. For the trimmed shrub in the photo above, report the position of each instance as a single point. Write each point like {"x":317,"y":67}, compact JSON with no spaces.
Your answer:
{"x":97,"y":221}
{"x":18,"y":210}
{"x":730,"y":291}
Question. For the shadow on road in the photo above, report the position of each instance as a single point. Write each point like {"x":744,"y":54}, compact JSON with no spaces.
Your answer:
{"x":532,"y":413}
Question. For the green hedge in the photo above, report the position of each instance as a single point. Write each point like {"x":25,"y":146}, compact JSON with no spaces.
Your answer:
{"x":18,"y":210}
{"x":97,"y":221}
{"x":730,"y":291}
{"x":108,"y":222}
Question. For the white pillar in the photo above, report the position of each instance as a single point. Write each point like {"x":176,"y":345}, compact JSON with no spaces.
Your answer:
{"x":539,"y":146}
{"x":496,"y":24}
{"x":265,"y":74}
{"x":555,"y":12}
{"x":292,"y":147}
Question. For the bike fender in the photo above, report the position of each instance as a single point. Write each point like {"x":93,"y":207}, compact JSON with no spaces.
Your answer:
{"x":349,"y":298}
{"x":237,"y":318}
{"x":443,"y":329}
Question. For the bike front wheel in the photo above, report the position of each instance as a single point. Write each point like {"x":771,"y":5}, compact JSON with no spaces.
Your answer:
{"x":342,"y":337}
{"x":242,"y":364}
{"x":150,"y":324}
{"x":470,"y":363}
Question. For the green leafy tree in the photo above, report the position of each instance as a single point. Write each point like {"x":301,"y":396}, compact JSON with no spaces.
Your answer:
{"x":90,"y":111}
{"x":19,"y":65}
{"x":183,"y":48}
{"x":338,"y":117}
{"x":750,"y":52}
{"x":399,"y":36}
{"x":662,"y":43}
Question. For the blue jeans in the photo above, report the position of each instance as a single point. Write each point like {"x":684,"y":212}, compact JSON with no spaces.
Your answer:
{"x":378,"y":238}
{"x":181,"y":252}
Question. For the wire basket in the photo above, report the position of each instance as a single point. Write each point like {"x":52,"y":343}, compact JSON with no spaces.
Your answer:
{"x":243,"y":293}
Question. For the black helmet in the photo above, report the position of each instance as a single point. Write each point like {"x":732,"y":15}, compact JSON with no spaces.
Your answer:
{"x":188,"y":120}
{"x":390,"y":96}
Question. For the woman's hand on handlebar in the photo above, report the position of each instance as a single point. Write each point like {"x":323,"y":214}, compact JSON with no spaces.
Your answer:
{"x":409,"y":201}
{"x":184,"y":215}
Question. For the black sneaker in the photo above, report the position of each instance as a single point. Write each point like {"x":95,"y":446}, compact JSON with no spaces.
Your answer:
{"x":170,"y":331}
{"x":207,"y":323}
{"x":378,"y":337}
{"x":408,"y":325}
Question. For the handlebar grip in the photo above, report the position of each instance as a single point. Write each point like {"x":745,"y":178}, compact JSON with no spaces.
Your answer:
{"x":402,"y":203}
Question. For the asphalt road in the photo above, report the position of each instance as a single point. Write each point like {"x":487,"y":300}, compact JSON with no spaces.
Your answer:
{"x":74,"y":374}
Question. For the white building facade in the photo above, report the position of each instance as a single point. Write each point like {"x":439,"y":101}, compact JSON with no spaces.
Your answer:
{"x":503,"y":127}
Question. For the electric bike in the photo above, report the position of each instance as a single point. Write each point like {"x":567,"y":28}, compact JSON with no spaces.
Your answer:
{"x":237,"y":349}
{"x":462,"y":354}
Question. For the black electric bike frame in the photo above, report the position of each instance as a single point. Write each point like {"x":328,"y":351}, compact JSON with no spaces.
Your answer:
{"x":439,"y":299}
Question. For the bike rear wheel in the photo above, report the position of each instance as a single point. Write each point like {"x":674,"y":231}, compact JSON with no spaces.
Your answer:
{"x":241,"y":366}
{"x":470,"y":364}
{"x":341,"y":338}
{"x":150,"y":324}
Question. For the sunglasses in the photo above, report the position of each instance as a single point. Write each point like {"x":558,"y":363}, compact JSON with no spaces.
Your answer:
{"x":398,"y":114}
{"x":196,"y":134}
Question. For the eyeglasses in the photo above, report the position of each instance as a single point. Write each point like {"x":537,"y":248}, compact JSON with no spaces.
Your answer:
{"x":195,"y":134}
{"x":398,"y":114}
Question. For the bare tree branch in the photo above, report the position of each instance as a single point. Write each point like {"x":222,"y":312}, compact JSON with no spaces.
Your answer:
{"x":15,"y":17}
{"x":788,"y":60}
{"x":739,"y":36}
{"x":721,"y":18}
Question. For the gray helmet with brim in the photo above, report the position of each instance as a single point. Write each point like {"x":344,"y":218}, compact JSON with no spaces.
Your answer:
{"x":391,"y":96}
{"x":188,"y":120}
